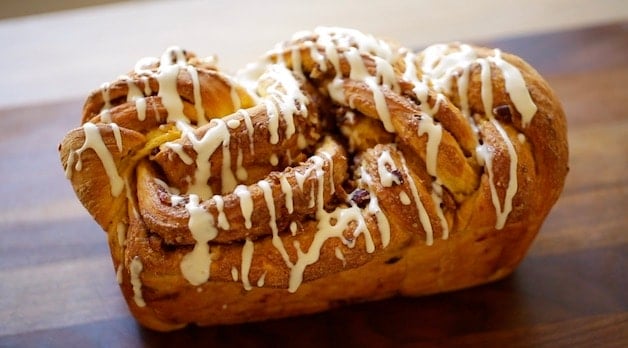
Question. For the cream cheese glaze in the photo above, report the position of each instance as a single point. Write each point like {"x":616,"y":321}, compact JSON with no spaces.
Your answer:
{"x":196,"y":264}
{"x":135,"y":269}
{"x":284,"y":101}
{"x":94,"y":141}
{"x":440,"y":66}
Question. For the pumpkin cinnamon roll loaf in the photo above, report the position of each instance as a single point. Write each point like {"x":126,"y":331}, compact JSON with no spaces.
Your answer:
{"x":337,"y":168}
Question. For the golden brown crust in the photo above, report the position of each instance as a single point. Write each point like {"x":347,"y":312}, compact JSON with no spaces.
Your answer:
{"x":343,"y":168}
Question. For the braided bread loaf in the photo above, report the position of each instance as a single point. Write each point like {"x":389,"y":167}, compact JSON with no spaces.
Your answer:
{"x":338,"y":168}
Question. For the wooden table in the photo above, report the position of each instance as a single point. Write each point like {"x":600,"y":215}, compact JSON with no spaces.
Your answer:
{"x":58,"y":288}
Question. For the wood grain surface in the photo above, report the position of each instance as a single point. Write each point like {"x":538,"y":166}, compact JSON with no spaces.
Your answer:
{"x":58,"y":288}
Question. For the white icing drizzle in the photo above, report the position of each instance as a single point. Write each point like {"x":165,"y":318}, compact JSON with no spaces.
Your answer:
{"x":434,"y":134}
{"x":94,"y":141}
{"x":336,"y":91}
{"x":344,"y":37}
{"x":260,"y":281}
{"x":121,"y":229}
{"x":360,"y":73}
{"x":293,"y":228}
{"x":133,"y":92}
{"x":386,"y":177}
{"x":195,"y":265}
{"x":380,"y":105}
{"x":358,"y":70}
{"x":382,"y":221}
{"x":104,"y":90}
{"x":241,"y":172}
{"x":463,"y":92}
{"x":116,"y":135}
{"x":286,"y":189}
{"x":129,"y":197}
{"x":330,"y":161}
{"x":234,"y":273}
{"x":270,"y":204}
{"x":331,"y":52}
{"x":340,"y":256}
{"x":176,"y":200}
{"x":353,"y":45}
{"x":140,"y":106}
{"x":246,"y":204}
{"x":222,"y":218}
{"x":198,"y":102}
{"x":434,"y":131}
{"x":486,"y":90}
{"x":119,"y":277}
{"x":135,"y":269}
{"x":300,"y":177}
{"x":440,"y":65}
{"x":330,"y":225}
{"x":170,"y":64}
{"x":423,"y":216}
{"x":274,"y":160}
{"x":516,"y":88}
{"x":173,"y":192}
{"x":521,"y":137}
{"x":312,"y":202}
{"x":420,"y":88}
{"x":178,"y":149}
{"x":273,"y":120}
{"x":373,"y":208}
{"x":227,"y":176}
{"x":438,"y":68}
{"x":233,"y":123}
{"x":143,"y":66}
{"x":217,"y":135}
{"x":296,"y":62}
{"x":502,"y":212}
{"x":249,"y":128}
{"x":385,"y":74}
{"x":247,"y":259}
{"x":291,"y":99}
{"x":147,"y":89}
{"x":437,"y":198}
{"x":404,"y":198}
{"x":317,"y":56}
{"x":325,"y":231}
{"x":105,"y":116}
